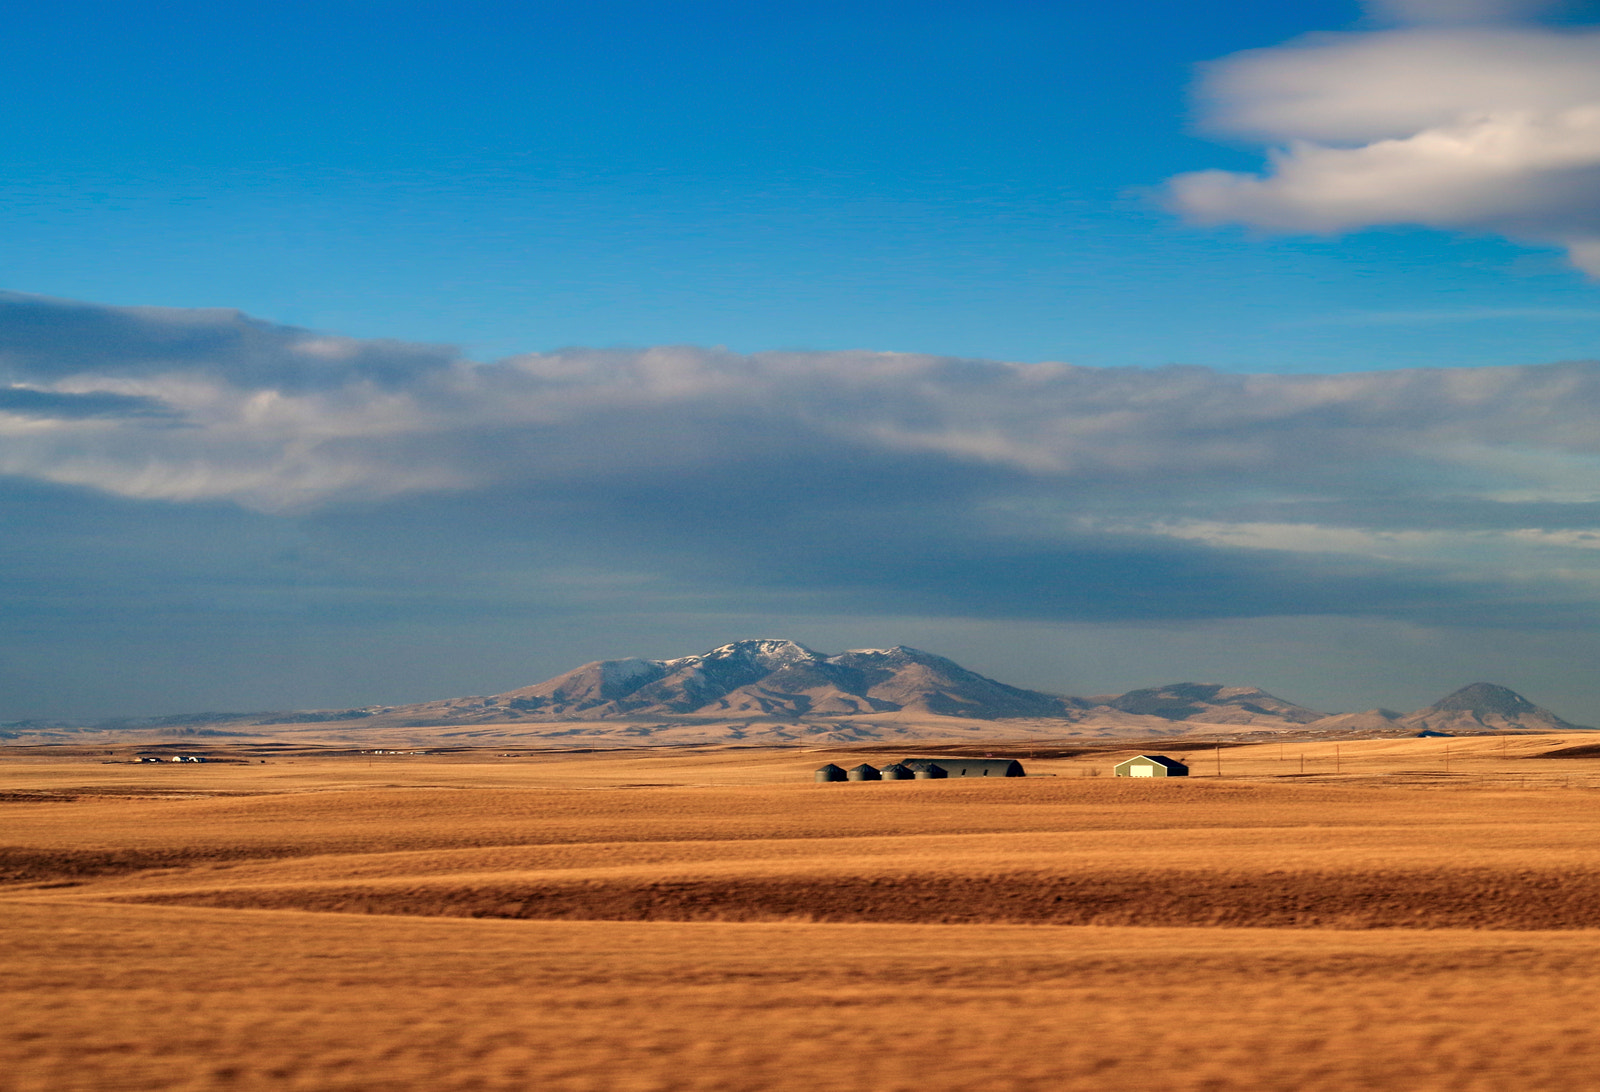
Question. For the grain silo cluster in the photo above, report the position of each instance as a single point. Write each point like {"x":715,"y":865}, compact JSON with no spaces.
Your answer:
{"x":924,"y":769}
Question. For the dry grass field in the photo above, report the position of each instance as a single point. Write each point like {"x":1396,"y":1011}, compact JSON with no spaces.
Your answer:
{"x":1403,"y":913}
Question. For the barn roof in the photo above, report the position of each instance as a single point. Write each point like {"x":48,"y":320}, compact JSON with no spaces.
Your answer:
{"x":1159,"y":760}
{"x":1004,"y":767}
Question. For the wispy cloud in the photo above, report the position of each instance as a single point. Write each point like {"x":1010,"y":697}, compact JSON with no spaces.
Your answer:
{"x":64,"y":405}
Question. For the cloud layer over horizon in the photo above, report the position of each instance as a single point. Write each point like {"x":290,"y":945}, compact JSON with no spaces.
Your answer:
{"x":976,"y":487}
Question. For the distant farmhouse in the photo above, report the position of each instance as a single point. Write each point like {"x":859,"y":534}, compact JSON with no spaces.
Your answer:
{"x":1151,"y":766}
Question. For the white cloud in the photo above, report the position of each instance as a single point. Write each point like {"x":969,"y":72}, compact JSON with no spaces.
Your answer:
{"x":245,"y":428}
{"x":1490,"y":129}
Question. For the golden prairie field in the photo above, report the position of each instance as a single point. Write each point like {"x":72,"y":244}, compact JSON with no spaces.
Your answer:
{"x":1380,"y":914}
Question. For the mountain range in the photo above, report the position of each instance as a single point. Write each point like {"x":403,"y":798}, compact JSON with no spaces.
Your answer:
{"x":783,"y":679}
{"x":780,"y":691}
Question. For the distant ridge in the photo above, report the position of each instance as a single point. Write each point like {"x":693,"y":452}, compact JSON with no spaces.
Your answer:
{"x":1212,"y":704}
{"x":774,"y":691}
{"x":903,"y":693}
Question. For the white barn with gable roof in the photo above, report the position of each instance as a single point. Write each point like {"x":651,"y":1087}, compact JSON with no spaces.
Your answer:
{"x":1151,"y":766}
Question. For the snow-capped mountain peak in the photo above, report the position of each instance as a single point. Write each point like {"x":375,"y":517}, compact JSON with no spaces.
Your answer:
{"x":777,"y":677}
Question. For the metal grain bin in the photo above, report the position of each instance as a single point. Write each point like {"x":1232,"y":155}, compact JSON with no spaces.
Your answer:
{"x":864,"y":772}
{"x":897,"y":771}
{"x":929,"y":771}
{"x":830,"y":772}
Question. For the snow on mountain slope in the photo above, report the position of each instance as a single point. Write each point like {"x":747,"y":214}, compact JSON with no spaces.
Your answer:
{"x":779,"y":691}
{"x":778,"y":678}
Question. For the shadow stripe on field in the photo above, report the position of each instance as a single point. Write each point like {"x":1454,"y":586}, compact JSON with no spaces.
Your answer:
{"x":1427,"y":898}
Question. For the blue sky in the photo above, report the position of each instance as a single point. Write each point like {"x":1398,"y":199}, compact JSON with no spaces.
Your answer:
{"x":334,"y":370}
{"x":976,"y":180}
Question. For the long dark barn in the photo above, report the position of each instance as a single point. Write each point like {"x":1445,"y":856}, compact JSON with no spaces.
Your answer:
{"x":970,"y":767}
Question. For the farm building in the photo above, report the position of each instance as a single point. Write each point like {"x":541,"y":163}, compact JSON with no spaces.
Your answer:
{"x":923,"y":769}
{"x":1151,"y":766}
{"x":968,"y":767}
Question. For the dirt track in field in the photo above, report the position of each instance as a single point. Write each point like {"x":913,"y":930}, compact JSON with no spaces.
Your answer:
{"x":1429,"y":900}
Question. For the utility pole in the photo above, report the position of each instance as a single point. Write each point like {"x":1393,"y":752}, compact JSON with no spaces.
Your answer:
{"x":1219,"y":760}
{"x":1335,"y":758}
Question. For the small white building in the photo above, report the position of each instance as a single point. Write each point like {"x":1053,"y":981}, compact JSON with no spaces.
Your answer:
{"x":1151,"y":766}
